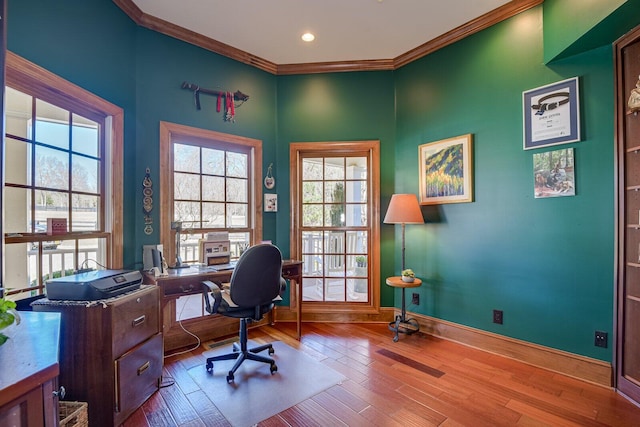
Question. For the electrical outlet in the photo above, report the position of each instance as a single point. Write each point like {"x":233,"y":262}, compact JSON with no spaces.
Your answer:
{"x":497,"y":316}
{"x":601,"y":339}
{"x":415,"y":299}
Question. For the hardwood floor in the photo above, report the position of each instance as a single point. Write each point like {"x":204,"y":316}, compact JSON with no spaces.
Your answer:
{"x":418,"y":381}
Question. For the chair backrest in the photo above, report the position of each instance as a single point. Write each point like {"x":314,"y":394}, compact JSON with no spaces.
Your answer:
{"x":255,"y":280}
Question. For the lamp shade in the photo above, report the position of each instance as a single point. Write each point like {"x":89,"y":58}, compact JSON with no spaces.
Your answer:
{"x":404,"y":209}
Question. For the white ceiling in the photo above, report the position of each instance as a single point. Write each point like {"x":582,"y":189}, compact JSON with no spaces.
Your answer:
{"x":345,"y":30}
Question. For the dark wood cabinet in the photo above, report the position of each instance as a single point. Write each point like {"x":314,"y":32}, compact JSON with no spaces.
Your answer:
{"x":111,"y":352}
{"x":628,"y":276}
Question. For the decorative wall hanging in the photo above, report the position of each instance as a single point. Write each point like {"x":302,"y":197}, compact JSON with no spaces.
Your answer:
{"x":554,"y":173}
{"x":147,"y":202}
{"x":446,"y":171}
{"x":227,"y":98}
{"x":269,"y":180}
{"x":551,"y":114}
{"x":271,"y":203}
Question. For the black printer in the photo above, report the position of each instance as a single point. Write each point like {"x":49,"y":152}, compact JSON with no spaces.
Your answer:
{"x":93,"y":285}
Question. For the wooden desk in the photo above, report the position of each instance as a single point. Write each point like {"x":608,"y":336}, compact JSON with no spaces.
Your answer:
{"x":187,"y":281}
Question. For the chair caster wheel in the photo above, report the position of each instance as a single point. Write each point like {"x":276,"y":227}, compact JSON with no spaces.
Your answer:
{"x":271,"y":350}
{"x":230,"y":378}
{"x":273,"y":368}
{"x":210,"y":367}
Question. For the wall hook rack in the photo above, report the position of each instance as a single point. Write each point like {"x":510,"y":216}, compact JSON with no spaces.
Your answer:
{"x":230,"y":99}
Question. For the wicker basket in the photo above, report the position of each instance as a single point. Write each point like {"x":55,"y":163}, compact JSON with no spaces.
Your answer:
{"x":73,"y":414}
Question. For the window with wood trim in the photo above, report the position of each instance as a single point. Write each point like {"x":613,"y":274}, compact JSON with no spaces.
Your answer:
{"x":335,"y":221}
{"x":212,"y":182}
{"x":61,"y":144}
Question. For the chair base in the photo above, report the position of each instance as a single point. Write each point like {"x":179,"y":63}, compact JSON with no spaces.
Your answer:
{"x":242,"y":353}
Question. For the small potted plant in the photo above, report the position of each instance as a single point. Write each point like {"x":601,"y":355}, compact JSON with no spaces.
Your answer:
{"x":408,"y":275}
{"x":8,"y":315}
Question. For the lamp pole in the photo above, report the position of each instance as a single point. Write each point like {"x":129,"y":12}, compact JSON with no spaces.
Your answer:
{"x":402,"y":247}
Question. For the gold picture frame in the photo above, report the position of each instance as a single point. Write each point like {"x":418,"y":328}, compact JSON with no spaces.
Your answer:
{"x":446,"y":171}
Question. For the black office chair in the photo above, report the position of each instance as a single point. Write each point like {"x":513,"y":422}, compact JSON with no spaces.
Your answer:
{"x":255,"y":282}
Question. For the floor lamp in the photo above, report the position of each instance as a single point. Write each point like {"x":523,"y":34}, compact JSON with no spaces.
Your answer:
{"x":404,"y":209}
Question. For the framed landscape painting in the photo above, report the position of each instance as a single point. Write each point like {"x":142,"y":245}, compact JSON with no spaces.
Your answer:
{"x":446,"y":171}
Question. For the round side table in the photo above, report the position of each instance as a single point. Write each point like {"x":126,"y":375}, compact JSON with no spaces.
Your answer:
{"x":402,"y":324}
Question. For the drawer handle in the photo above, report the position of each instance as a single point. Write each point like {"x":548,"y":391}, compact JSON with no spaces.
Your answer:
{"x":143,"y":368}
{"x":138,"y":321}
{"x":60,"y":393}
{"x":189,"y":289}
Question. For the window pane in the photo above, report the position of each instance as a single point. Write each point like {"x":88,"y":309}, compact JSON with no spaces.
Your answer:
{"x":85,"y":173}
{"x":51,"y":204}
{"x":186,"y":212}
{"x":357,"y":290}
{"x":213,"y":162}
{"x":17,"y":208}
{"x":213,"y":188}
{"x":84,"y":136}
{"x":186,"y":186}
{"x":357,"y":242}
{"x":334,"y":216}
{"x":186,"y":158}
{"x":334,"y":168}
{"x":85,"y":212}
{"x":312,"y":289}
{"x":17,"y":162}
{"x":237,"y":216}
{"x":356,"y":215}
{"x":52,"y":168}
{"x":237,"y":165}
{"x":213,"y":215}
{"x":239,"y":243}
{"x":311,"y":169}
{"x":356,"y":191}
{"x":356,"y":168}
{"x":312,"y":192}
{"x":17,"y":112}
{"x":334,"y":290}
{"x":52,"y":125}
{"x":312,"y":215}
{"x":334,"y":192}
{"x":237,"y":190}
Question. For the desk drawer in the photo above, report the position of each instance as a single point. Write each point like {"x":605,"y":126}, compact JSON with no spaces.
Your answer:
{"x":135,"y":318}
{"x":138,"y":374}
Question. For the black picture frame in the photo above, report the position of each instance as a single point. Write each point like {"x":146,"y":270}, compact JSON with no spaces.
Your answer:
{"x":551,"y":114}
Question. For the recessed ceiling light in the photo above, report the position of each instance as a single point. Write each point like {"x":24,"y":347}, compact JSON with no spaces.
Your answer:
{"x":308,"y":37}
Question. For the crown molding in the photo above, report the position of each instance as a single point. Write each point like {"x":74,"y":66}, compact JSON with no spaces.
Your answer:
{"x":506,"y":11}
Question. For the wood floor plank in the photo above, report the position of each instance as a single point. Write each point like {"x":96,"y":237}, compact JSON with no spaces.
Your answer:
{"x":476,"y":388}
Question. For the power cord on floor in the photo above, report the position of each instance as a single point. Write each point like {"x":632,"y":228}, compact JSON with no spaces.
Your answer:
{"x":167,"y":382}
{"x":189,"y":349}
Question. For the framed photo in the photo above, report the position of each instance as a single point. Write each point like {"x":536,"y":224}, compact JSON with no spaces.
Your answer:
{"x":271,"y":203}
{"x":446,"y":171}
{"x":554,"y":173}
{"x":551,"y":114}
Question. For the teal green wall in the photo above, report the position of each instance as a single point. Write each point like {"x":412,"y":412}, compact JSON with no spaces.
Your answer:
{"x":547,"y":263}
{"x":338,"y":107}
{"x":575,"y":26}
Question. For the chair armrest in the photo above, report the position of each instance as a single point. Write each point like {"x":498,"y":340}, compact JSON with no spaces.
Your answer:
{"x":210,"y":289}
{"x":283,"y":286}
